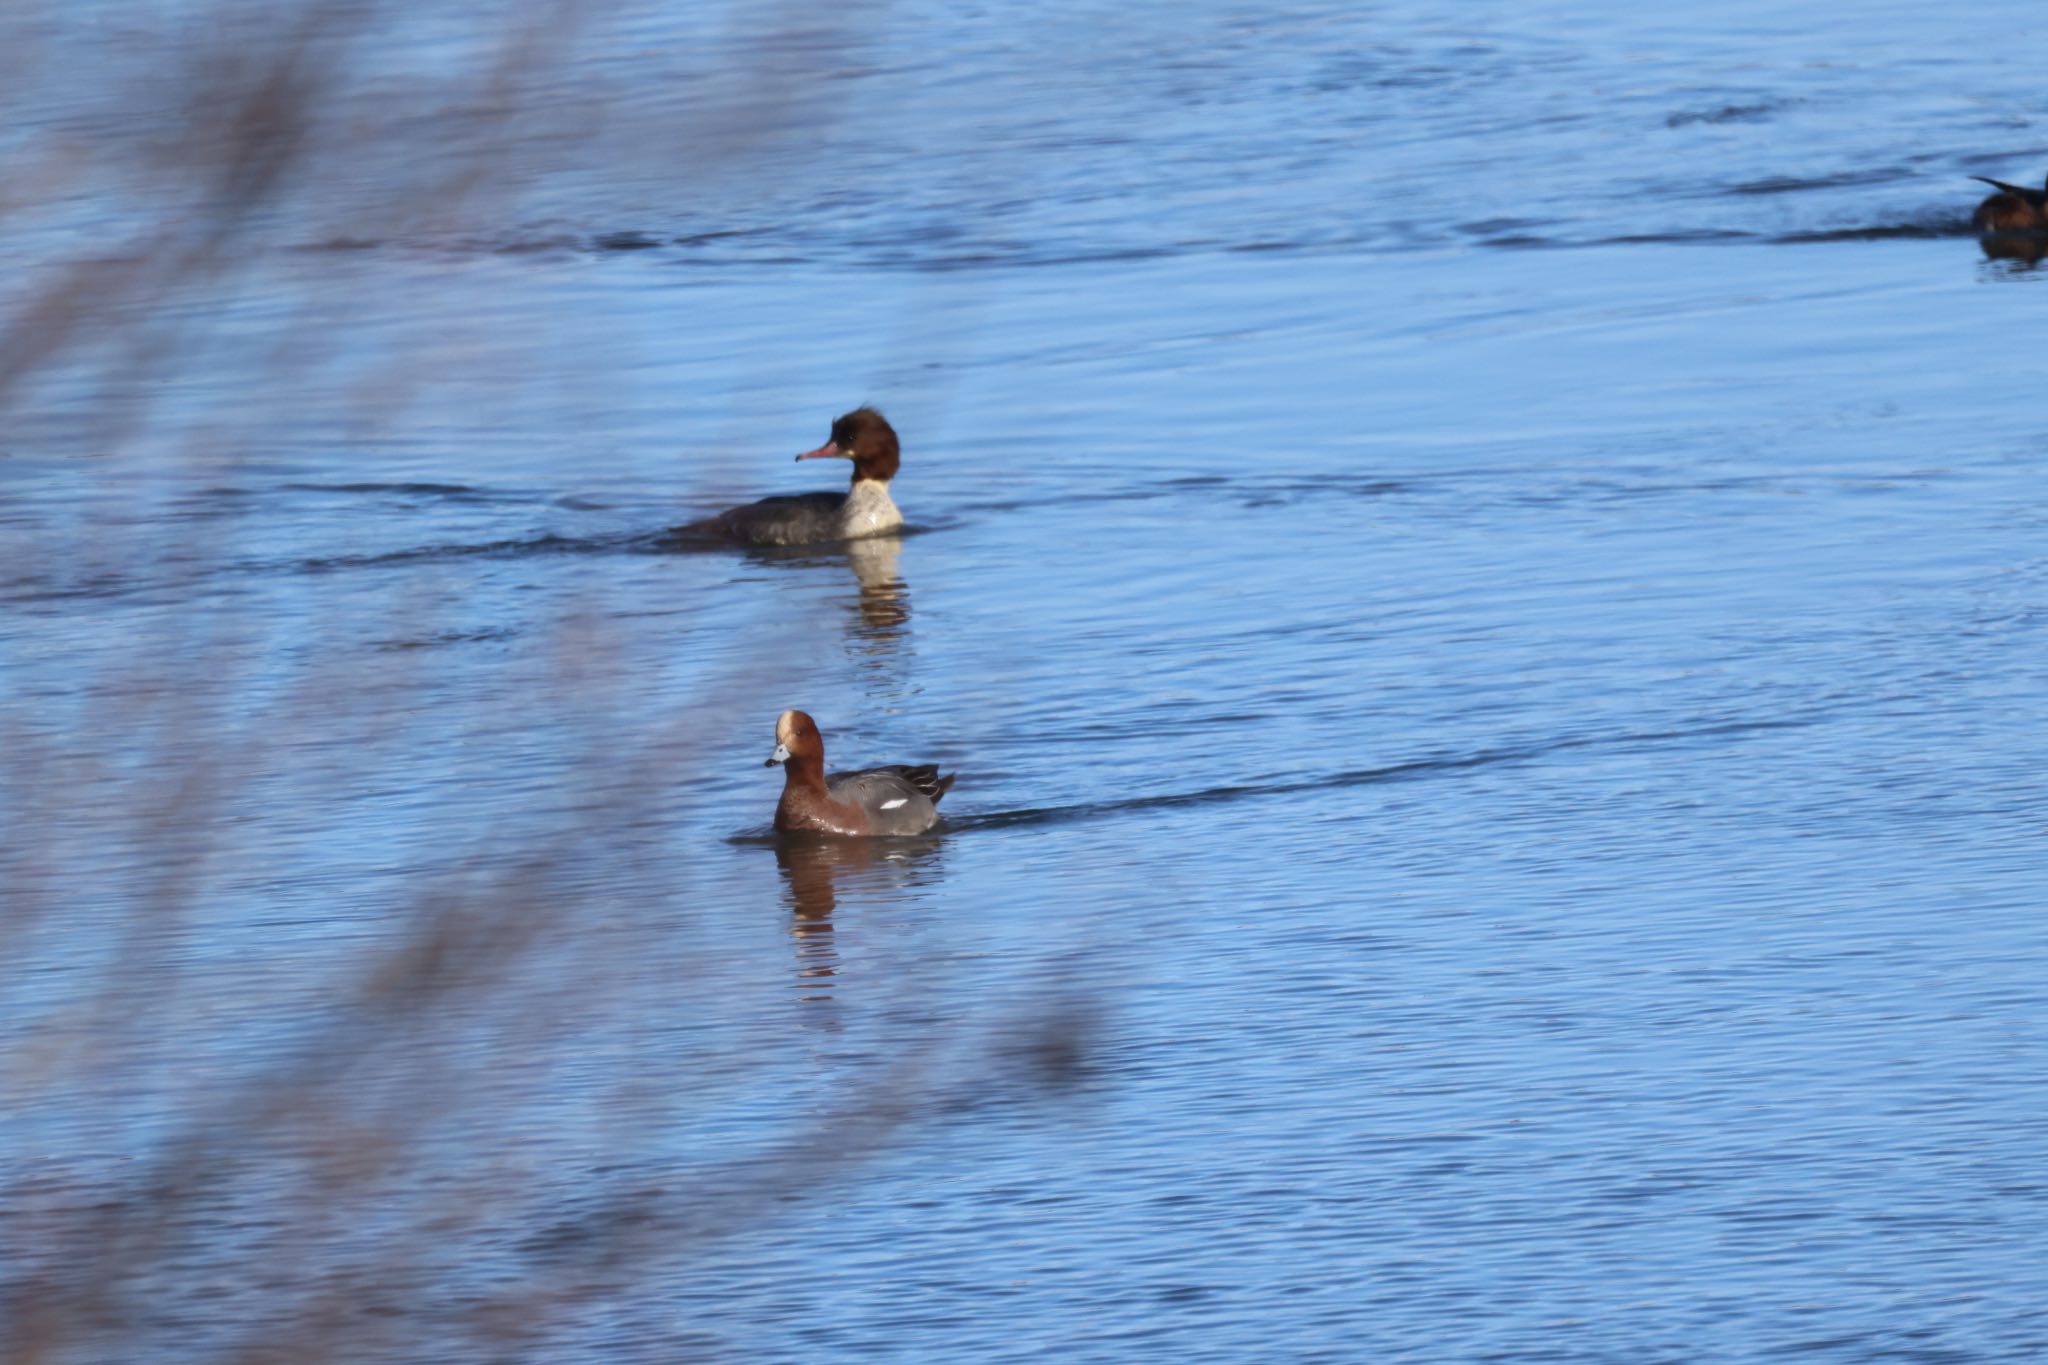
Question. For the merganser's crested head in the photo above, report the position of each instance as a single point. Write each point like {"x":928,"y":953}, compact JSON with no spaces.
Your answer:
{"x":796,"y":737}
{"x":865,"y":437}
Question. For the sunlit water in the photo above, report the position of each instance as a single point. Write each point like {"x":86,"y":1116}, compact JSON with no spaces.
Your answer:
{"x":1484,"y":577}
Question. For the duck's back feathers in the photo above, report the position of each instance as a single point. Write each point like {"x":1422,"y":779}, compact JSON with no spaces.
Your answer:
{"x":790,"y":519}
{"x":898,"y":799}
{"x":922,"y":778}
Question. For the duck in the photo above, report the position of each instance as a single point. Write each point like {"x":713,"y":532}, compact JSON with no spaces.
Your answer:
{"x":2012,"y":209}
{"x":863,"y":436}
{"x":893,"y":800}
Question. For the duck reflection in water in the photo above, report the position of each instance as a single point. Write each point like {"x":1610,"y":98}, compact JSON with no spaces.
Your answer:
{"x":817,"y":872}
{"x":2025,"y":247}
{"x":878,"y":617}
{"x":884,"y":605}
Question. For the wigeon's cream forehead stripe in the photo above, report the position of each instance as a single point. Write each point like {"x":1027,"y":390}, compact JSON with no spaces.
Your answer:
{"x":785,"y":726}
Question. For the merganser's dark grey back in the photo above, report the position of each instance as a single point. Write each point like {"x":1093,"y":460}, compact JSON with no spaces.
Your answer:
{"x":792,"y":519}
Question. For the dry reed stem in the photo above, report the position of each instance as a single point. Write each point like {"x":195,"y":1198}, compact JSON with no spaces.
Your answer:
{"x":145,"y":788}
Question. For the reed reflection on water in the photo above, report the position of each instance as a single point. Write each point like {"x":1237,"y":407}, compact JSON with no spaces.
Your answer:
{"x":265,"y":1084}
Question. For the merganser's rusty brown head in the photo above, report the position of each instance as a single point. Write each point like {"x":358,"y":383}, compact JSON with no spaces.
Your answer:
{"x":865,"y":437}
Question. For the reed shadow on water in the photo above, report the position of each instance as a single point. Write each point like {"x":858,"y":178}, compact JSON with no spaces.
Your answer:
{"x":269,"y":1098}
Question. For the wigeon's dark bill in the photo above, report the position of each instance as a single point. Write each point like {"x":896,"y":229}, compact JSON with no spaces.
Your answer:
{"x":828,"y":451}
{"x":781,"y":755}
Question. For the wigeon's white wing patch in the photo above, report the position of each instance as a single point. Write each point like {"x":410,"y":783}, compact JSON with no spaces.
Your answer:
{"x":892,"y":805}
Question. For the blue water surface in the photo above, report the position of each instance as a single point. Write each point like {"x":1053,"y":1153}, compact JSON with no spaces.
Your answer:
{"x":1482,"y":570}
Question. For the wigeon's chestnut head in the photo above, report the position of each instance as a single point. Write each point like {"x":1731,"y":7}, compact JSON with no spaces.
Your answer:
{"x":865,"y":437}
{"x":895,"y":799}
{"x":796,"y":740}
{"x":2012,"y":209}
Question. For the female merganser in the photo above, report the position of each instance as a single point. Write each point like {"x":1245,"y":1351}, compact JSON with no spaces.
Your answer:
{"x":863,"y":436}
{"x":894,"y":800}
{"x":2012,"y":209}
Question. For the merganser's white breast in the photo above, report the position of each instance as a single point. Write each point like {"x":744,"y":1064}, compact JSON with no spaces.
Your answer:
{"x":868,"y":511}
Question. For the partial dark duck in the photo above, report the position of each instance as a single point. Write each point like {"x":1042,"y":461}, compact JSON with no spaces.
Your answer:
{"x":2012,"y":209}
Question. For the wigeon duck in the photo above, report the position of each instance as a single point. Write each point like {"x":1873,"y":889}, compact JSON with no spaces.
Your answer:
{"x":2012,"y":209}
{"x":894,"y":800}
{"x":863,"y":436}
